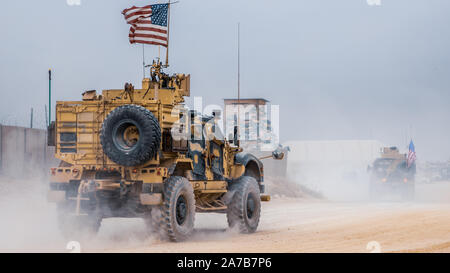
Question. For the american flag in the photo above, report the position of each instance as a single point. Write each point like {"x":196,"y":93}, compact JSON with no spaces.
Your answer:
{"x":148,"y":24}
{"x":411,"y":154}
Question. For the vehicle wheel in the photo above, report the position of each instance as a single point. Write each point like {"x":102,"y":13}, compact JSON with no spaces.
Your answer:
{"x":130,"y":135}
{"x":152,"y":221}
{"x":244,"y":209}
{"x":178,"y":210}
{"x":77,"y":227}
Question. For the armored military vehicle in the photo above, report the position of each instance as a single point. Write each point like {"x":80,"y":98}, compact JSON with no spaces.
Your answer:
{"x":140,"y":153}
{"x":391,"y":173}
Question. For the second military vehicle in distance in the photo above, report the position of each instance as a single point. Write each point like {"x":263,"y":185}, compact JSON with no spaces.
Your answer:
{"x":391,"y":174}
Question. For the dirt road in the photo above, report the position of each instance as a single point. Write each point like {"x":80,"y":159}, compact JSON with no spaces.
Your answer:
{"x":291,"y":225}
{"x":287,"y":225}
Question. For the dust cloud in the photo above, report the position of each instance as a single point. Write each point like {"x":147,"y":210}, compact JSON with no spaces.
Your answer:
{"x":336,"y":184}
{"x":350,"y":183}
{"x":29,"y":224}
{"x":28,"y":220}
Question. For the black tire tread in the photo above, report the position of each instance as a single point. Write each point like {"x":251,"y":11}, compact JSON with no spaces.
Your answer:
{"x":236,"y":208}
{"x":168,"y":226}
{"x":152,"y":220}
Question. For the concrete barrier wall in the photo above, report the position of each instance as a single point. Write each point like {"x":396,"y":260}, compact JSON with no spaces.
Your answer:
{"x":24,"y":152}
{"x":272,"y":168}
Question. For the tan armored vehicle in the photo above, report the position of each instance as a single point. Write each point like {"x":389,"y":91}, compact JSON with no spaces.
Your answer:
{"x":390,"y":173}
{"x":141,"y":153}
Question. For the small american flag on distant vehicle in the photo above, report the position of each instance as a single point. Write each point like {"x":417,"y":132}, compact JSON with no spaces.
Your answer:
{"x":149,"y":24}
{"x":411,"y":154}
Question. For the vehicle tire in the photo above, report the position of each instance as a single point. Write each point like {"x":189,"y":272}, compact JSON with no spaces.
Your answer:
{"x":130,"y":135}
{"x":77,"y":227}
{"x":152,"y":221}
{"x":244,"y":208}
{"x":178,"y":209}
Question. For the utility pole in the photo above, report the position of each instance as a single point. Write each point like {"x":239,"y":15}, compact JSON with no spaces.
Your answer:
{"x":31,"y":118}
{"x":49,"y":97}
{"x":46,"y":116}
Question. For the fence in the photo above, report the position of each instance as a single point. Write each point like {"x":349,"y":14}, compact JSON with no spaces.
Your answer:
{"x":24,"y":152}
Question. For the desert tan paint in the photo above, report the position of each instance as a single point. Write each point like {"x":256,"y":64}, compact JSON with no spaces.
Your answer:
{"x":85,"y":119}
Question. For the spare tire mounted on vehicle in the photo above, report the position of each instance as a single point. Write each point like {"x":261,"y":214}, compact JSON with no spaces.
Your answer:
{"x":130,"y":135}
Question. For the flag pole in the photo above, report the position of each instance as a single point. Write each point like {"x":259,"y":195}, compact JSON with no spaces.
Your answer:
{"x":239,"y":83}
{"x":168,"y":34}
{"x":239,"y":63}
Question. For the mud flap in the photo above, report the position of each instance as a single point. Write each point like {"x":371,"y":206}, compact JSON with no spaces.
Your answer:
{"x":151,"y":199}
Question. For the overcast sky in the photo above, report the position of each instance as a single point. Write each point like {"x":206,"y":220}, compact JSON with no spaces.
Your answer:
{"x":338,"y":69}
